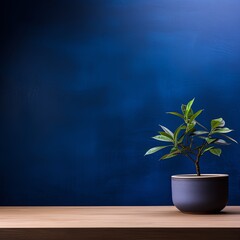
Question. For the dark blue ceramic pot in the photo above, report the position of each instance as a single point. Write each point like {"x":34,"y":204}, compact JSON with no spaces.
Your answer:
{"x":207,"y":193}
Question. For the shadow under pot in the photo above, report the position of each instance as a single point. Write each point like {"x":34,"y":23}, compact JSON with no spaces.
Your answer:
{"x":203,"y":194}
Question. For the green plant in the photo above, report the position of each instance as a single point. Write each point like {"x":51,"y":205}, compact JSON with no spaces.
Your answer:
{"x":187,"y":140}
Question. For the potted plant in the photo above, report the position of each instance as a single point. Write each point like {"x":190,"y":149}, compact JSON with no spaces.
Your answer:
{"x":196,"y":193}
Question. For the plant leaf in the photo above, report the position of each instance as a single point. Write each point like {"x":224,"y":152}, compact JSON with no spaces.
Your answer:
{"x":218,"y":122}
{"x":221,"y":142}
{"x":222,"y":130}
{"x":155,"y":149}
{"x":174,"y":149}
{"x":166,"y":135}
{"x":207,"y":149}
{"x":190,"y":127}
{"x":162,"y":138}
{"x":166,"y":130}
{"x":183,"y":108}
{"x":170,"y":155}
{"x":222,"y":123}
{"x":195,"y":115}
{"x":176,"y":114}
{"x":229,"y":138}
{"x":200,"y":132}
{"x":216,"y":151}
{"x":210,"y":140}
{"x":188,"y":107}
{"x":176,"y":133}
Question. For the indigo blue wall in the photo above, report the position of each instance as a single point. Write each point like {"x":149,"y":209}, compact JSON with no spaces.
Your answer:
{"x":84,"y":85}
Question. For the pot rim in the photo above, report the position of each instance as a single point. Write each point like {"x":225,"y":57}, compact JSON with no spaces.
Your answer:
{"x":194,"y":176}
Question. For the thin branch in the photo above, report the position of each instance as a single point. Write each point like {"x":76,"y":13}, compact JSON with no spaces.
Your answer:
{"x":201,"y":125}
{"x":188,"y":156}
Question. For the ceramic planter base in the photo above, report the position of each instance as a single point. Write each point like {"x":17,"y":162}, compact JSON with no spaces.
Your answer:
{"x":205,"y":194}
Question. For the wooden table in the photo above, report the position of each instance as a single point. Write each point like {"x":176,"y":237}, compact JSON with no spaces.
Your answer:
{"x":115,"y":223}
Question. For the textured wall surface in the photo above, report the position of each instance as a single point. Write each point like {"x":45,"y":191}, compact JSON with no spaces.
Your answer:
{"x":84,"y":85}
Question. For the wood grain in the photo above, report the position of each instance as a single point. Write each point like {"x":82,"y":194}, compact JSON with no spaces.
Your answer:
{"x":155,"y":222}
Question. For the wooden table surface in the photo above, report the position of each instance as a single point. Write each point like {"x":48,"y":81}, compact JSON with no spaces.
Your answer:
{"x":114,"y":217}
{"x":49,"y":222}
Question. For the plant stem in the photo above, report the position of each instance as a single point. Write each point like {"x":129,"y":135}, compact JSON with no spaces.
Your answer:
{"x":198,"y":158}
{"x":197,"y":167}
